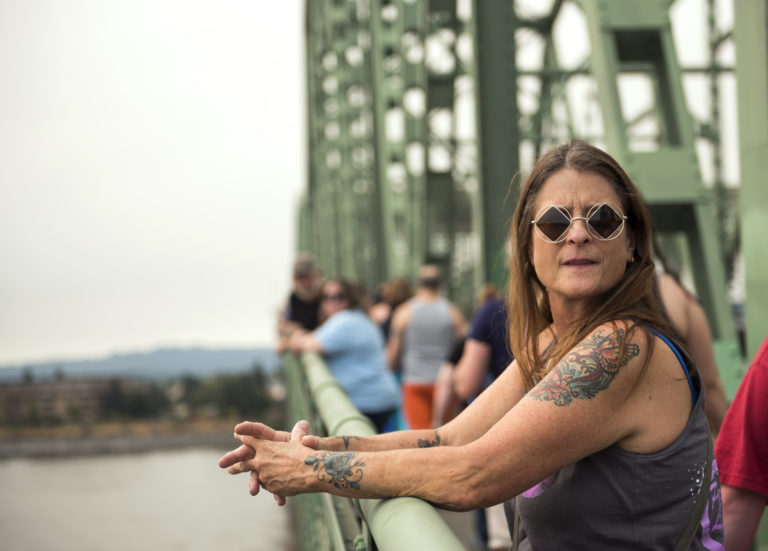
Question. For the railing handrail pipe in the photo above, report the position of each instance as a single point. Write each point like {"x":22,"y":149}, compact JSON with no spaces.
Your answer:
{"x":396,"y":524}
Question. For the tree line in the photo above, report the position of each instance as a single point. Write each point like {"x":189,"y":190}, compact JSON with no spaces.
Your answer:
{"x":60,"y":400}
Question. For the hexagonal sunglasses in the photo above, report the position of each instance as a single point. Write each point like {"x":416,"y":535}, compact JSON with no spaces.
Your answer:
{"x":604,"y":221}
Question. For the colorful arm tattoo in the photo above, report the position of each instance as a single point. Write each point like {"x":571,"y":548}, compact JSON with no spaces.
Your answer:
{"x":428,"y":444}
{"x":338,"y":468}
{"x":586,"y":370}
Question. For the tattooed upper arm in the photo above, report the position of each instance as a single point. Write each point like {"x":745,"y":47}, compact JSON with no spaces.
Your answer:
{"x":587,"y":370}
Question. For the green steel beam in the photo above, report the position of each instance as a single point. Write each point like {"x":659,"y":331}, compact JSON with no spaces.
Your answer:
{"x":385,"y":218}
{"x":308,"y":213}
{"x":304,"y":234}
{"x":321,"y":198}
{"x":634,"y":38}
{"x":751,"y":38}
{"x":497,"y":136}
{"x":392,"y":73}
{"x":342,"y":203}
{"x":413,"y":209}
{"x":450,"y":238}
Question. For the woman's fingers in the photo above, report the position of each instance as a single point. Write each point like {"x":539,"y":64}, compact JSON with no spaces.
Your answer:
{"x":241,"y":467}
{"x":260,"y":430}
{"x":253,"y":483}
{"x":249,"y":441}
{"x":243,"y":453}
{"x":300,"y":430}
{"x":252,"y":435}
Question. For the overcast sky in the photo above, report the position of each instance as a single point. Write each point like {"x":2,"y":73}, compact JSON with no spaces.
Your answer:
{"x":152,"y":153}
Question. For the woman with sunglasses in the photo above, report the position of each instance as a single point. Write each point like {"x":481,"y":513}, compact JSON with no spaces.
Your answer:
{"x":596,"y":429}
{"x":354,"y":350}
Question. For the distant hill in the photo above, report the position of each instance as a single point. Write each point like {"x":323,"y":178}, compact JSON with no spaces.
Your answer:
{"x":163,"y":363}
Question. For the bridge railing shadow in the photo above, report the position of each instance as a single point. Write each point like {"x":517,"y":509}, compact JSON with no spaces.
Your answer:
{"x":328,"y":522}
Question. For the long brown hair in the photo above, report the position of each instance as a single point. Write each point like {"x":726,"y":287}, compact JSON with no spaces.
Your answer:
{"x":635,"y":297}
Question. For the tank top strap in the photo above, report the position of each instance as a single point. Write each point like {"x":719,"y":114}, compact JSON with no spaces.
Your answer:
{"x":680,"y":358}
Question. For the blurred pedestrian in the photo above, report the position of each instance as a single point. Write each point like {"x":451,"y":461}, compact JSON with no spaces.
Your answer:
{"x":353,"y":348}
{"x":741,"y":451}
{"x":690,"y":321}
{"x":302,"y":308}
{"x":424,"y":331}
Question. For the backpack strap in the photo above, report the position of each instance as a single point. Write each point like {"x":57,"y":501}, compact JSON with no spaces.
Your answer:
{"x":515,"y":529}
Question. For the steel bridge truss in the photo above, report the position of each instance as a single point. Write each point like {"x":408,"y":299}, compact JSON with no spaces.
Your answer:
{"x":424,"y":114}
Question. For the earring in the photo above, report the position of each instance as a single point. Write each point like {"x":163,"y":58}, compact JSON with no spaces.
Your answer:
{"x":631,"y":260}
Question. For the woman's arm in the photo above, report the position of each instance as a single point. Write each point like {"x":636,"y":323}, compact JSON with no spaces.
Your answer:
{"x":305,"y":342}
{"x":469,"y":425}
{"x":590,"y":400}
{"x":471,"y":369}
{"x":699,"y":341}
{"x":742,"y":510}
{"x":691,"y":323}
{"x":400,"y":319}
{"x":532,"y":440}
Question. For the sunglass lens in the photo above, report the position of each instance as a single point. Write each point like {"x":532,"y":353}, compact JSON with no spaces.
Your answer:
{"x":605,"y":221}
{"x":553,"y":223}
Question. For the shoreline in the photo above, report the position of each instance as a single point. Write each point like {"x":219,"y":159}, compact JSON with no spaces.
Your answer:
{"x":115,"y":438}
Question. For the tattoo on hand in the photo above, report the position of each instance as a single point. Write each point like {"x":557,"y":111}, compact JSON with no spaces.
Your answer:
{"x":338,"y":468}
{"x":428,"y":444}
{"x":587,"y":370}
{"x":346,"y":440}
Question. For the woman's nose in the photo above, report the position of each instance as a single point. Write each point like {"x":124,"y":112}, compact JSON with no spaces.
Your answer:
{"x":578,"y":232}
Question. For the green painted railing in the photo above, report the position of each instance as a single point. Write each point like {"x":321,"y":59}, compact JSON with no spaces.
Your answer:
{"x":326,"y":522}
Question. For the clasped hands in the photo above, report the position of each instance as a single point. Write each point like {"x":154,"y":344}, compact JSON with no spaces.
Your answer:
{"x":263,"y":450}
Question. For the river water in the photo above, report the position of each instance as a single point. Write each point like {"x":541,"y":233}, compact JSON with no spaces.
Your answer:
{"x":163,"y":500}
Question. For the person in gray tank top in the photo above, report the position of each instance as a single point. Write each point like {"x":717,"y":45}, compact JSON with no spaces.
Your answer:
{"x":424,"y":330}
{"x":597,"y":429}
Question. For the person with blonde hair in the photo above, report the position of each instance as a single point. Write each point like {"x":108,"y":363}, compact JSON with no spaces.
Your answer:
{"x":597,"y":429}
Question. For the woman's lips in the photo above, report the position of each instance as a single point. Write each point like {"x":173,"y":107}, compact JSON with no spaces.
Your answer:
{"x":579,"y":262}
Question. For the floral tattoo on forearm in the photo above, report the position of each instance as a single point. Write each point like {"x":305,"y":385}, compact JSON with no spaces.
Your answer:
{"x":429,"y":444}
{"x":346,"y":440}
{"x":587,"y":370}
{"x":338,"y":468}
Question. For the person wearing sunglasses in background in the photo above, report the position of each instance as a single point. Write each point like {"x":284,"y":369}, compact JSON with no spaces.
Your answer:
{"x":596,"y":429}
{"x":353,"y":347}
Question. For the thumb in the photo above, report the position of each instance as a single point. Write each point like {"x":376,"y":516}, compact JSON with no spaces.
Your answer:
{"x":300,"y":429}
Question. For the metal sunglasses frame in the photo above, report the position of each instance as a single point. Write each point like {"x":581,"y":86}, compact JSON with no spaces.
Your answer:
{"x":563,"y":236}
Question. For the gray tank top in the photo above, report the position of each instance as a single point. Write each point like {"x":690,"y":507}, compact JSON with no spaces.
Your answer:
{"x":427,"y":340}
{"x":615,"y":499}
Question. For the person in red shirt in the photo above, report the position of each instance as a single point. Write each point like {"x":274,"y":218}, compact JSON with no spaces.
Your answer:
{"x":741,"y":451}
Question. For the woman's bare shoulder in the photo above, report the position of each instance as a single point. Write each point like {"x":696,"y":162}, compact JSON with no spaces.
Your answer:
{"x":613,"y":335}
